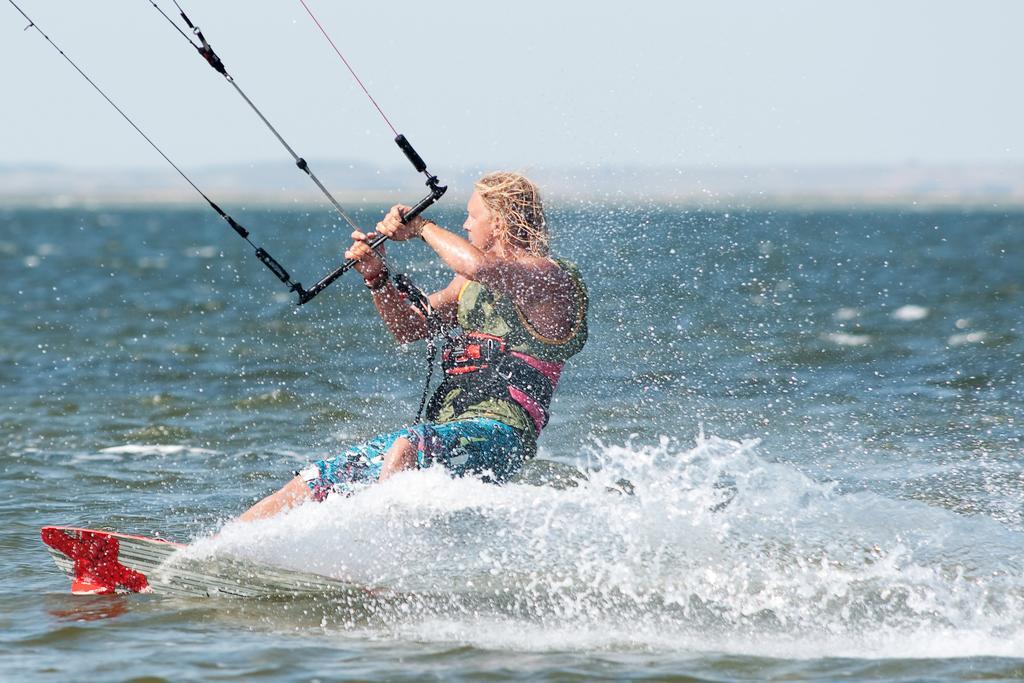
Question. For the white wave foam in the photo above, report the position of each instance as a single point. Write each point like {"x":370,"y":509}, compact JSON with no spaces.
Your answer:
{"x":968,"y":338}
{"x":910,"y":313}
{"x":206,"y":251}
{"x":847,"y":339}
{"x":718,"y":550}
{"x":155,"y":449}
{"x":94,"y":458}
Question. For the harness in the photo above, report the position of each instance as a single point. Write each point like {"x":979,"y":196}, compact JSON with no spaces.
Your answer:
{"x":482,"y":367}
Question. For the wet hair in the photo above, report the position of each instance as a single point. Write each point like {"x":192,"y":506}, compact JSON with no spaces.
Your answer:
{"x":514,"y":202}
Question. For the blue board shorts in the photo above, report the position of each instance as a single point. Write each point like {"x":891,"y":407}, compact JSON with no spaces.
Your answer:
{"x":483,"y":447}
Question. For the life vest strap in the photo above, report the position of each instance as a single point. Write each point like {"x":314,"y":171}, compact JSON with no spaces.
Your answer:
{"x":482,"y":367}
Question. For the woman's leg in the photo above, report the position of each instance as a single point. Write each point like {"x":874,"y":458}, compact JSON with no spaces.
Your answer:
{"x":400,"y":456}
{"x":291,"y":494}
{"x":385,"y":454}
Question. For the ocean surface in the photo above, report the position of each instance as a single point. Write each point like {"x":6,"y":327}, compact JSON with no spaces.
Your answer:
{"x":820,"y":412}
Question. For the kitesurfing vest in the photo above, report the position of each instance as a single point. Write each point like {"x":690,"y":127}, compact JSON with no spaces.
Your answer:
{"x":500,"y":367}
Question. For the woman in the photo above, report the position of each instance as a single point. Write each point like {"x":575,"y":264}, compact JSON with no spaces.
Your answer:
{"x":521,"y":314}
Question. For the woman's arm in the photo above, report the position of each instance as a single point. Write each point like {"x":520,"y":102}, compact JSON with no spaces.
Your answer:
{"x":404,"y":321}
{"x":527,"y":279}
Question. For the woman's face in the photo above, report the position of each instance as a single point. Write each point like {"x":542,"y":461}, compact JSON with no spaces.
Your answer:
{"x":479,"y":224}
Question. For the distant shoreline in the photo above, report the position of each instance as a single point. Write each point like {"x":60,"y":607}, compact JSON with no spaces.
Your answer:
{"x":266,"y":184}
{"x":185,"y":202}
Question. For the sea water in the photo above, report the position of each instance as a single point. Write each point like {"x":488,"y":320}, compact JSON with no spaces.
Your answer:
{"x":820,"y":414}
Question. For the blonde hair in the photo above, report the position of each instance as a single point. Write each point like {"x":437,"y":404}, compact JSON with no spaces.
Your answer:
{"x":514,"y":202}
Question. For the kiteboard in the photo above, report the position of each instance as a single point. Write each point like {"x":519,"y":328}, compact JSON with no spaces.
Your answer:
{"x":104,"y":562}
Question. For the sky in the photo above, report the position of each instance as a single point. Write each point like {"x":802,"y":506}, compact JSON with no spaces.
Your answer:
{"x":523,"y":84}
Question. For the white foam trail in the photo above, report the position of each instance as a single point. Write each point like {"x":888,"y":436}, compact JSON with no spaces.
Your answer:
{"x":718,"y":550}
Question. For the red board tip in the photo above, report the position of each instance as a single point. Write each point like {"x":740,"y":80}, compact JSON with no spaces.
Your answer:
{"x":97,"y":566}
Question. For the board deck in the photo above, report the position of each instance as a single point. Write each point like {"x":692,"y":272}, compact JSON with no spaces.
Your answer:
{"x":101,"y":562}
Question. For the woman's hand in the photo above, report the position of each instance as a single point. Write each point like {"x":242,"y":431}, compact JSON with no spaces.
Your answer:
{"x":392,"y":225}
{"x":370,"y":263}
